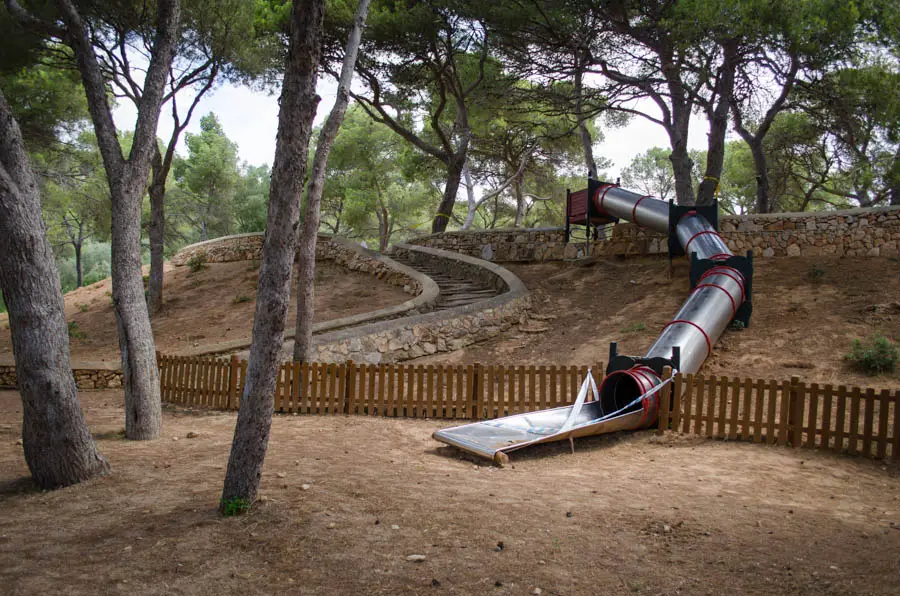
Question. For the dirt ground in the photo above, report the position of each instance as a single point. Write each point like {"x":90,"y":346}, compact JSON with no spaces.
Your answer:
{"x":623,"y":515}
{"x":213,"y":305}
{"x":799,"y":327}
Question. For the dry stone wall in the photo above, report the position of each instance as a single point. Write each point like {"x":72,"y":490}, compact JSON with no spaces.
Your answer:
{"x":88,"y":376}
{"x":853,"y":232}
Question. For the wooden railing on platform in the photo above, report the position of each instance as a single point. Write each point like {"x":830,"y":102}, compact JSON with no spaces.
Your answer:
{"x":838,"y":418}
{"x":412,"y":390}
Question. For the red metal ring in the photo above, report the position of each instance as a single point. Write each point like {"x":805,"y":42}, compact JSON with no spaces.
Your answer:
{"x":634,"y":209}
{"x":701,"y":233}
{"x":698,"y":327}
{"x":605,"y":190}
{"x":727,"y":293}
{"x":720,"y":270}
{"x":691,"y":212}
{"x":720,"y":256}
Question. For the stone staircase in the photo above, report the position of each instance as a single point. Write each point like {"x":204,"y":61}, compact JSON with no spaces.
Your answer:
{"x":455,"y":290}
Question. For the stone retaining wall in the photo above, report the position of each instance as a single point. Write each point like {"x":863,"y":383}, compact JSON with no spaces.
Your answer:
{"x":852,"y":232}
{"x":441,"y":331}
{"x":88,"y":376}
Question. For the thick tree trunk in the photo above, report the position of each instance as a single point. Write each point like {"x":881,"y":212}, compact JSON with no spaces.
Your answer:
{"x":718,"y":126}
{"x":683,"y":167}
{"x":79,"y":271}
{"x":298,"y":108}
{"x":520,"y":202}
{"x":306,"y":250}
{"x":157,"y":232}
{"x":587,"y":143}
{"x":763,"y":201}
{"x":445,"y":209}
{"x":127,"y":180}
{"x":59,"y":449}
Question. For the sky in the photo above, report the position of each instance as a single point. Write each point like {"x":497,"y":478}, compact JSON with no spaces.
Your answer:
{"x":250,"y":119}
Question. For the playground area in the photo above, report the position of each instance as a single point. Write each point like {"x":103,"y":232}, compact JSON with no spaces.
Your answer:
{"x":626,"y":514}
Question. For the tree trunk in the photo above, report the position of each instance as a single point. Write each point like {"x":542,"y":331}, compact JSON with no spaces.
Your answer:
{"x":59,"y":449}
{"x":683,"y":167}
{"x":718,"y":126}
{"x":306,"y":251}
{"x":79,"y":275}
{"x":520,"y":202}
{"x":587,"y":143}
{"x":454,"y":176}
{"x":298,"y":108}
{"x":471,"y":204}
{"x":156,"y":232}
{"x":763,"y":202}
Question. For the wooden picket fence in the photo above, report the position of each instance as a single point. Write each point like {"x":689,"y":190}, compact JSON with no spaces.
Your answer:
{"x":842,"y":419}
{"x":468,"y":392}
{"x":837,"y":418}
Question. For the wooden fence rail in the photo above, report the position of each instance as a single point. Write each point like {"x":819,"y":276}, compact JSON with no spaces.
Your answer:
{"x":839,"y":418}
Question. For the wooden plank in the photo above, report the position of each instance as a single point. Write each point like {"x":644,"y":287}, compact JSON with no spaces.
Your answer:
{"x":699,"y":404}
{"x":869,"y":422}
{"x":812,"y":421}
{"x":784,"y":415}
{"x":473,"y":407}
{"x":574,"y":383}
{"x":430,"y":406}
{"x":723,"y":405}
{"x":305,"y":401}
{"x":296,"y":379}
{"x":543,"y":400}
{"x":853,"y":443}
{"x":461,"y":391}
{"x":747,"y":400}
{"x":664,"y":403}
{"x":420,"y":394}
{"x":895,"y":441}
{"x":443,"y":408}
{"x":314,"y":405}
{"x":531,"y":404}
{"x":883,"y":410}
{"x":242,"y":380}
{"x":677,"y":388}
{"x":688,"y":402}
{"x":410,"y":389}
{"x":735,"y":408}
{"x":827,"y":402}
{"x":522,"y":395}
{"x":758,"y":410}
{"x":709,"y":418}
{"x":797,"y":407}
{"x":554,"y":396}
{"x":387,"y":384}
{"x":841,"y":415}
{"x":772,"y":403}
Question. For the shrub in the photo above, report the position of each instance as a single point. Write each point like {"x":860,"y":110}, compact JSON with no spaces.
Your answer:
{"x":74,"y":332}
{"x":234,"y":506}
{"x":874,"y":355}
{"x":737,"y":325}
{"x":197,"y":263}
{"x":240,"y":299}
{"x":815,"y":274}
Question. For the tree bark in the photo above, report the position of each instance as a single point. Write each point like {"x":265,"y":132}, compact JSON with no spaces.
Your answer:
{"x":79,"y":275}
{"x":454,"y":177}
{"x":298,"y":107}
{"x":57,"y":442}
{"x":156,"y":232}
{"x":587,"y":143}
{"x":127,"y":181}
{"x":520,"y":202}
{"x":718,"y":125}
{"x":306,"y":250}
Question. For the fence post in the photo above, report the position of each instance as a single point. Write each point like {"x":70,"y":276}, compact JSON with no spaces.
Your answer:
{"x":795,"y":417}
{"x":349,"y":380}
{"x":476,"y":391}
{"x":664,"y":401}
{"x":232,"y":380}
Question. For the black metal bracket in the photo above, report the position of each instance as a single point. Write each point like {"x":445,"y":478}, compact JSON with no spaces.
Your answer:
{"x":744,"y":265}
{"x":622,"y":362}
{"x":676,"y":212}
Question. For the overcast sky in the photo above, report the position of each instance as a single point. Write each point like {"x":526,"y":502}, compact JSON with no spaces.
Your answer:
{"x":250,"y":119}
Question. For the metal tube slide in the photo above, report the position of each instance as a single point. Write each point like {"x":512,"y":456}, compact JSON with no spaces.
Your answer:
{"x":628,"y":397}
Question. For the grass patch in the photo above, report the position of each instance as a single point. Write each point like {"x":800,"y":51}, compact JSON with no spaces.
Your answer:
{"x":633,"y":327}
{"x":815,"y":274}
{"x":240,"y":299}
{"x":74,"y":332}
{"x":112,"y":435}
{"x":197,"y":263}
{"x":234,"y":506}
{"x":874,"y":355}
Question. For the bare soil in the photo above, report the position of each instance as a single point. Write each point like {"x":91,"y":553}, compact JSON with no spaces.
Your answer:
{"x":626,"y":514}
{"x":799,"y":326}
{"x":213,"y":305}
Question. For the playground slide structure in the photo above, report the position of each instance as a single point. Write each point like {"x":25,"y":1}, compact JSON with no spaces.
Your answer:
{"x":627,"y":397}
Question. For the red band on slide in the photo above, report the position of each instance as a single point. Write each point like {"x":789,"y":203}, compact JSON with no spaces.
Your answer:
{"x":698,"y":327}
{"x":727,"y":293}
{"x":701,"y":233}
{"x":727,"y":272}
{"x":599,"y":203}
{"x":689,"y":213}
{"x":720,"y":256}
{"x":634,"y":209}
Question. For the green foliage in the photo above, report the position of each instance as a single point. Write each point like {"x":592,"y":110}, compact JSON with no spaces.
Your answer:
{"x":234,"y":506}
{"x":197,"y":263}
{"x":74,"y":332}
{"x":874,"y":355}
{"x":737,"y":325}
{"x":95,"y":265}
{"x":815,"y":274}
{"x":633,"y":327}
{"x":241,"y":299}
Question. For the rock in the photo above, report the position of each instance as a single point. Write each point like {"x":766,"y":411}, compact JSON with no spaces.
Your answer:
{"x":416,"y":558}
{"x":305,"y":487}
{"x":331,"y":526}
{"x":174,"y":438}
{"x":537,"y":592}
{"x":191,"y":435}
{"x":281,"y":474}
{"x":395,"y":527}
{"x":793,"y":250}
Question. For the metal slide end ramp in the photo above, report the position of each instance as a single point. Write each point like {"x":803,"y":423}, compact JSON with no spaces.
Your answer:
{"x":494,"y":439}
